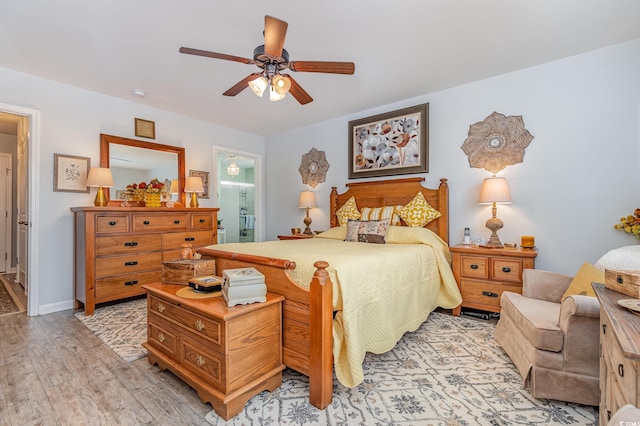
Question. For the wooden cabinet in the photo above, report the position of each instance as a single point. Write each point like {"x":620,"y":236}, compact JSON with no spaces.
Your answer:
{"x":483,"y":274}
{"x":118,"y":250}
{"x":226,"y":354}
{"x":619,"y":353}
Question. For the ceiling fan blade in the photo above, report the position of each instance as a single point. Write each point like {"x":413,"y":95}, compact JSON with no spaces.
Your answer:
{"x":241,"y":85}
{"x":198,"y":52}
{"x":298,"y":92}
{"x":275,"y":32}
{"x":325,"y":67}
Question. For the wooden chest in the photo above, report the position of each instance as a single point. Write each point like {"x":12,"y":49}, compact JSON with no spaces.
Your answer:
{"x":226,"y":354}
{"x":182,"y":270}
{"x":625,"y":282}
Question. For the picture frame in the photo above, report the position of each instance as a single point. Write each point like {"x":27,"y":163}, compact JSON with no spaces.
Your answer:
{"x":391,"y":143}
{"x":70,"y":173}
{"x":145,"y":128}
{"x":205,"y":181}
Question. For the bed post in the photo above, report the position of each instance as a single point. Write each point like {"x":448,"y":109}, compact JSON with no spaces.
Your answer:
{"x":321,"y":334}
{"x":333,"y":207}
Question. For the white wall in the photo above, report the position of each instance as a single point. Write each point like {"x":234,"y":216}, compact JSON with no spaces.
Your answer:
{"x":580,"y":173}
{"x":71,"y":122}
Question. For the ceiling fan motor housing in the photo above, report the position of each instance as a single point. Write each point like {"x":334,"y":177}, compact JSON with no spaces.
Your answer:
{"x":259,"y":55}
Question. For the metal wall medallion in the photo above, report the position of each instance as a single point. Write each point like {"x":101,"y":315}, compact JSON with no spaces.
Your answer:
{"x":313,"y":168}
{"x":497,"y":142}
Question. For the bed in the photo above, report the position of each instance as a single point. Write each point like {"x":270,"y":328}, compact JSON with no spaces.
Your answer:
{"x":324,"y":318}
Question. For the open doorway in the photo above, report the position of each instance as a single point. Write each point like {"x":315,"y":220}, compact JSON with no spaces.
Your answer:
{"x":238,"y":195}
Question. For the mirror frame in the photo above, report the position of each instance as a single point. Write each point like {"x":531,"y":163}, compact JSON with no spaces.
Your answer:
{"x":106,"y":140}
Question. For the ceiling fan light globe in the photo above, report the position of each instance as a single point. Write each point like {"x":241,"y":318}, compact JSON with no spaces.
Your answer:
{"x":258,"y":85}
{"x":282,"y":84}
{"x":274,"y":95}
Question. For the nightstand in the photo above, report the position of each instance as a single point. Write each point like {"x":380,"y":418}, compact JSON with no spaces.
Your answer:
{"x":295,"y":237}
{"x":483,"y":274}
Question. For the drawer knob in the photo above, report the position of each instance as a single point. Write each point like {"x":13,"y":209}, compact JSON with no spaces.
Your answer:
{"x":146,"y":222}
{"x":113,"y":223}
{"x":604,"y":328}
{"x":132,"y":263}
{"x":506,"y":269}
{"x":160,"y":307}
{"x":134,"y":282}
{"x":131,"y":244}
{"x":177,"y":222}
{"x":489,"y":294}
{"x":474,"y":266}
{"x":199,"y":325}
{"x":621,"y":370}
{"x":619,"y":279}
{"x":200,"y":360}
{"x":189,"y":239}
{"x":161,"y":338}
{"x":201,"y":220}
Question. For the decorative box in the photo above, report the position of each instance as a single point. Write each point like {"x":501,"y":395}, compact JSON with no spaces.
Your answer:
{"x":242,"y":276}
{"x":625,"y":282}
{"x":182,"y":270}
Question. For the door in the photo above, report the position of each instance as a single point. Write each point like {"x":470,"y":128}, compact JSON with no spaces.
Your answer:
{"x":23,"y":204}
{"x":5,"y":212}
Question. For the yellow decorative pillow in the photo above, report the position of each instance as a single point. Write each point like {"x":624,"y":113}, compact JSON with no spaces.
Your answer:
{"x":349,"y":210}
{"x":581,"y":284}
{"x":379,"y":213}
{"x":418,"y":212}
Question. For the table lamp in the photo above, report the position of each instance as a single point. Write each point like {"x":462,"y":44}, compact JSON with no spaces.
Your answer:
{"x":100,"y":177}
{"x":193,"y":185}
{"x":495,"y":190}
{"x":307,"y":201}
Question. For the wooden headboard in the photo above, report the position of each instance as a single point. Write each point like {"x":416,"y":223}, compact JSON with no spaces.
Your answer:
{"x":396,"y":192}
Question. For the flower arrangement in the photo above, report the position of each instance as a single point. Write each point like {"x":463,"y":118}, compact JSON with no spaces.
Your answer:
{"x":137,"y":191}
{"x":630,"y":224}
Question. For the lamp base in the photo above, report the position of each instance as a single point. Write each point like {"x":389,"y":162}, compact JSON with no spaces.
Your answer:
{"x":101,"y":199}
{"x":494,"y":224}
{"x":307,"y":222}
{"x":194,"y":201}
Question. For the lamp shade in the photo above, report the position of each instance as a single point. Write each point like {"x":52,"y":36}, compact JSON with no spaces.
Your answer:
{"x":258,"y":85}
{"x":174,"y":187}
{"x":495,"y":190}
{"x":194,"y":184}
{"x":307,"y":199}
{"x":100,"y":176}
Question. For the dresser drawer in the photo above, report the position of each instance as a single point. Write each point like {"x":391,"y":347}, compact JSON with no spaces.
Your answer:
{"x":163,"y":337}
{"x":485,"y":293}
{"x":200,"y":326}
{"x":474,"y":266}
{"x":164,"y":222}
{"x":127,"y":244}
{"x":125,"y":285}
{"x":173,"y":240}
{"x":201,"y":221}
{"x":126,"y":264}
{"x":112,"y":223}
{"x":507,"y":270}
{"x":203,"y":363}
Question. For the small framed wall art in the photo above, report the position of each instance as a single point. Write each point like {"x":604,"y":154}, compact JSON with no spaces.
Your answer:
{"x":392,"y":143}
{"x":205,"y":181}
{"x":70,"y":173}
{"x":145,"y":128}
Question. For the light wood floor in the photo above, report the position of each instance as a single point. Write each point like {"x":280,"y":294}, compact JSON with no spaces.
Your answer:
{"x":54,"y":371}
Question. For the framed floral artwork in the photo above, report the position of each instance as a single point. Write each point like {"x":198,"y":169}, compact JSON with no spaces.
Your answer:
{"x":392,"y":143}
{"x":205,"y":181}
{"x":70,"y":173}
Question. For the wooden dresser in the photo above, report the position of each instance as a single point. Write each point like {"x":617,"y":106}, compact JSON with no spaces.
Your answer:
{"x":483,"y":274}
{"x":226,"y":354}
{"x":619,"y":353}
{"x":119,"y":249}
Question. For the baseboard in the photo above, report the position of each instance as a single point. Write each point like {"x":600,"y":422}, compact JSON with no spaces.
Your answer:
{"x":55,"y":307}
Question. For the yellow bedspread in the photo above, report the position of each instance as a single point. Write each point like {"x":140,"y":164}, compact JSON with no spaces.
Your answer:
{"x":380,"y":291}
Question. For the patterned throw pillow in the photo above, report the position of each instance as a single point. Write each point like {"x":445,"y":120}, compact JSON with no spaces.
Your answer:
{"x":367,"y":231}
{"x":349,"y":210}
{"x":379,"y":213}
{"x":418,"y":212}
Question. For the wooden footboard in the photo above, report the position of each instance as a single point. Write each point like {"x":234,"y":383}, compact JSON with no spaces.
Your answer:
{"x":307,"y":317}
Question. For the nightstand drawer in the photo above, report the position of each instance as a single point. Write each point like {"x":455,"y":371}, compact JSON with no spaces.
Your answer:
{"x":485,"y":293}
{"x":507,"y":270}
{"x":162,"y":337}
{"x":474,"y":266}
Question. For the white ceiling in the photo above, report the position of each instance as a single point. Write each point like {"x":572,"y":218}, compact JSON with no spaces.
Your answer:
{"x":402,"y":48}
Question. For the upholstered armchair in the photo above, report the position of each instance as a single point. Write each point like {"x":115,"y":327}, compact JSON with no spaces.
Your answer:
{"x":554,"y":344}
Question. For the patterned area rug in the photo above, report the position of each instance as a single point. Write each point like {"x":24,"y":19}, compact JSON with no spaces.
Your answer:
{"x":122,"y":326}
{"x":7,"y":303}
{"x":449,"y":372}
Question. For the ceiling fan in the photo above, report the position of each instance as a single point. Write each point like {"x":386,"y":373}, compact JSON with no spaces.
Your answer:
{"x":272,"y":58}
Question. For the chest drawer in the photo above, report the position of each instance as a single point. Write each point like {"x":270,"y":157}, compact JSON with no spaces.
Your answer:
{"x":126,"y":264}
{"x":112,"y":223}
{"x":108,"y":245}
{"x":114,"y":287}
{"x":171,"y":241}
{"x":162,"y":336}
{"x":203,"y":362}
{"x":474,"y":267}
{"x":201,"y":221}
{"x":507,"y":270}
{"x":164,"y":222}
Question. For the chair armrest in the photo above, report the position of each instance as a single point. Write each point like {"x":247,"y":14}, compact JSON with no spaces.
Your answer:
{"x":578,"y":305}
{"x":544,"y":285}
{"x":580,"y":324}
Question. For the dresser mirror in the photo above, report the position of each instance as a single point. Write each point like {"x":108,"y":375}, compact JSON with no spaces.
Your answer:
{"x":134,"y":161}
